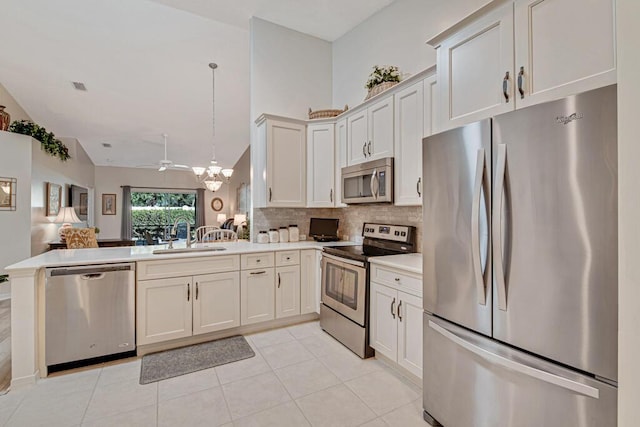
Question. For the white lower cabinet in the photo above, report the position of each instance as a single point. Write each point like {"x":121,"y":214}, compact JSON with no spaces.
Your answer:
{"x":287,"y":291}
{"x":396,"y":326}
{"x":180,"y":307}
{"x":310,"y":281}
{"x":216,"y":304}
{"x":258,"y":296}
{"x":163,"y":309}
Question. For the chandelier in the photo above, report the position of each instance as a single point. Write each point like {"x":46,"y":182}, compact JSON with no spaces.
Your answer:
{"x":213,"y":176}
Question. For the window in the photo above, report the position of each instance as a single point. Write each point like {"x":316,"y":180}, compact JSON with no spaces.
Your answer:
{"x":153,"y":213}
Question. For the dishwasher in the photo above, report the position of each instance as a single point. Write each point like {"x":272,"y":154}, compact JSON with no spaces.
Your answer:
{"x":90,"y":313}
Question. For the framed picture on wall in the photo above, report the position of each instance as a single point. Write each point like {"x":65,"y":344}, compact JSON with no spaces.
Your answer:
{"x":84,"y":201}
{"x":108,"y":204}
{"x":54,"y":198}
{"x":8,"y":194}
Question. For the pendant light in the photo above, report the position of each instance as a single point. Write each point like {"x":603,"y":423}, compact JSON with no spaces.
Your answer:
{"x":214,"y":176}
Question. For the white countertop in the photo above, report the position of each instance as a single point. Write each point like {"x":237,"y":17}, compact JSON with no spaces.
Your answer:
{"x":64,"y":257}
{"x":407,"y":262}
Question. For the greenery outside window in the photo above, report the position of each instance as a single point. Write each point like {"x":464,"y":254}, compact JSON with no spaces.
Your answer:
{"x":153,"y":213}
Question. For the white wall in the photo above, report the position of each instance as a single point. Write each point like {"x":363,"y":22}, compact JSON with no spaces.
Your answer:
{"x":290,"y":71}
{"x":394,"y":36}
{"x":241,"y":174}
{"x":628,"y":39}
{"x":15,"y":226}
{"x":13,"y":108}
{"x":110,"y":179}
{"x":79,"y":170}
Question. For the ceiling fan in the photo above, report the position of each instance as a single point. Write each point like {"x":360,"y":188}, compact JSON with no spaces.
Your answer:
{"x":165,"y":163}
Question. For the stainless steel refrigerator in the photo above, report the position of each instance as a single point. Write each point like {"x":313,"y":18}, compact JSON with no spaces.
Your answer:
{"x":520,"y":267}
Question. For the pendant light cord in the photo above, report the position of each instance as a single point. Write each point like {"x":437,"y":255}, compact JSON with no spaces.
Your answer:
{"x":213,"y":67}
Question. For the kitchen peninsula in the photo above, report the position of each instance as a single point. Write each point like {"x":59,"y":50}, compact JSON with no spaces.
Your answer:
{"x":291,"y":298}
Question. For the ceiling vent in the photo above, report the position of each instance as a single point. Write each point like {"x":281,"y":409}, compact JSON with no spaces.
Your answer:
{"x":79,"y":86}
{"x":106,"y":145}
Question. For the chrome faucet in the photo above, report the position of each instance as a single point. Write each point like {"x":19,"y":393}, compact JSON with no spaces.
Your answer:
{"x":174,"y":229}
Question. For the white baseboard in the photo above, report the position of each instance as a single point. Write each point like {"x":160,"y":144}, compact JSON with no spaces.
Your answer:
{"x":24,"y":382}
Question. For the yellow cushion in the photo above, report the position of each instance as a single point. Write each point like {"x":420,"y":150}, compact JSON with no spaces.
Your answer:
{"x":80,"y":238}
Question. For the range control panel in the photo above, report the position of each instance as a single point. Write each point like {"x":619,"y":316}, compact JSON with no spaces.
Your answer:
{"x":397,"y":233}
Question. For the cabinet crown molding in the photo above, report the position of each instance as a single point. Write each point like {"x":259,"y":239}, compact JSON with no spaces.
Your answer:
{"x":436,"y":40}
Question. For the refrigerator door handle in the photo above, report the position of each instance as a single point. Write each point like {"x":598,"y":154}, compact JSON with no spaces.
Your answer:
{"x":509,"y":364}
{"x":475,"y":229}
{"x":496,"y":227}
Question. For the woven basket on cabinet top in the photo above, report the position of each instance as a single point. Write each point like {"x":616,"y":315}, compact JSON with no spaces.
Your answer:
{"x":325,"y":114}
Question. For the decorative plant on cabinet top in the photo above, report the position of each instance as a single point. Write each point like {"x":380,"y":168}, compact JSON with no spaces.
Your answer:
{"x":50,"y":144}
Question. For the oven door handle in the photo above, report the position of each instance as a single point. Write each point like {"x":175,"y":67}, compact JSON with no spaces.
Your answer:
{"x":343,"y":260}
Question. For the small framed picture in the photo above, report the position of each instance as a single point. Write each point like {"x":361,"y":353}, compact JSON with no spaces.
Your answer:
{"x":108,"y":204}
{"x":54,"y":198}
{"x":83,"y":208}
{"x":8,"y":194}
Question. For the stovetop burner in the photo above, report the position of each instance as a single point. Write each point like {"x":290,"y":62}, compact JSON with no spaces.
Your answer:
{"x":379,"y":239}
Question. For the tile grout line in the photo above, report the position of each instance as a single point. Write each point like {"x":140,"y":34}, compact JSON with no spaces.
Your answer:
{"x":226,"y":404}
{"x":93,"y":391}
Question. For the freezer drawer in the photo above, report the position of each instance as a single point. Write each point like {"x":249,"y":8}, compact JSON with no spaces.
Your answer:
{"x":89,"y":311}
{"x":470,"y":380}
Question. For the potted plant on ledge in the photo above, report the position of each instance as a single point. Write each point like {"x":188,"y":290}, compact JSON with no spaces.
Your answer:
{"x":381,"y":79}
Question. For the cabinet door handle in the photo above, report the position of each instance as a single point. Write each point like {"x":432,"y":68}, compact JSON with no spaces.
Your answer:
{"x":331,"y":195}
{"x":197,"y":290}
{"x":505,"y":87}
{"x":369,"y":148}
{"x":521,"y":82}
{"x":257,"y":272}
{"x":188,"y":291}
{"x":278,"y":280}
{"x":270,"y":194}
{"x":418,"y":187}
{"x":393,"y":308}
{"x":364,"y":149}
{"x":399,"y":315}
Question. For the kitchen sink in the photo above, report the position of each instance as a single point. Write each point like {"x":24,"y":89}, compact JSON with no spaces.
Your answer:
{"x":188,"y":250}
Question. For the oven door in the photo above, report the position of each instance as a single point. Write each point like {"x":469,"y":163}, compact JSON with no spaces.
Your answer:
{"x":344,"y":287}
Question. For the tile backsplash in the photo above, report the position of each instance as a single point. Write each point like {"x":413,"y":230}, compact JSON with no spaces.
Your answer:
{"x":351,"y":218}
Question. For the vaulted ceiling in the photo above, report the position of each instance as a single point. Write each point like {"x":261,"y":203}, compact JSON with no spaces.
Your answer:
{"x":145,"y":67}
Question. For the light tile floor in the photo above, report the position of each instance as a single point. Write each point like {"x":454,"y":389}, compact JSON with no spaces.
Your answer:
{"x":300,"y":376}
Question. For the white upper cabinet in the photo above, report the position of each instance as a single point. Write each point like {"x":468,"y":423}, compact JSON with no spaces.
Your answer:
{"x":409,"y":127}
{"x":321,"y":162}
{"x":357,"y":138}
{"x":514,"y":53}
{"x":563,"y":47}
{"x":340,"y":160}
{"x":370,"y":133}
{"x":430,"y":90}
{"x":380,"y":121}
{"x":279,"y":163}
{"x":475,"y":70}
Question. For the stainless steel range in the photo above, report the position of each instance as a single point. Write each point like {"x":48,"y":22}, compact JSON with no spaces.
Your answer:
{"x":344,"y":308}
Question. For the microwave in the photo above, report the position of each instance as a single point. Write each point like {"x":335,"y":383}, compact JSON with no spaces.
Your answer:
{"x":369,"y":182}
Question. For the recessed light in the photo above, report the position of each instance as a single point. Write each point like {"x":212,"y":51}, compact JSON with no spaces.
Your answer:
{"x":79,"y":86}
{"x":106,"y":145}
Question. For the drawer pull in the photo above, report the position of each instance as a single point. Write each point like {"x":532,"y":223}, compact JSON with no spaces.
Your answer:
{"x":397,"y":279}
{"x":258,"y":260}
{"x":253,"y":273}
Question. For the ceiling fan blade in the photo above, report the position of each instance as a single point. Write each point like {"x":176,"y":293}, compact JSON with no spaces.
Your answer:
{"x":182,"y":167}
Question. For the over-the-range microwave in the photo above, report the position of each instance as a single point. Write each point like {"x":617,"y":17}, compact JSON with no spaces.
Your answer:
{"x":369,"y":182}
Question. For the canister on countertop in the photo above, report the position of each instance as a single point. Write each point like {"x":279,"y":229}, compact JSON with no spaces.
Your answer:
{"x":263,"y":237}
{"x":284,"y":234}
{"x":274,"y":236}
{"x":294,"y":233}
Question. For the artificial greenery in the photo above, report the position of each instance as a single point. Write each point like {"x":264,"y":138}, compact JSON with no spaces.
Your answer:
{"x":50,"y":144}
{"x":4,"y":278}
{"x":383,"y":74}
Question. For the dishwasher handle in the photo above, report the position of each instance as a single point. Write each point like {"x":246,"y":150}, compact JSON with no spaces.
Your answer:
{"x":93,"y":276}
{"x":89,"y":270}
